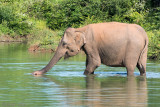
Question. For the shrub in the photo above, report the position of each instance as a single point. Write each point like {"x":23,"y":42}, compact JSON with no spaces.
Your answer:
{"x":154,"y":44}
{"x":5,"y":30}
{"x":14,"y":21}
{"x":153,"y":18}
{"x":40,"y":9}
{"x":74,"y":13}
{"x":6,"y":13}
{"x":44,"y":37}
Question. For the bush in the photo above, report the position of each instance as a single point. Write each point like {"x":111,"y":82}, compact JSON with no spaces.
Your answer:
{"x":14,"y":21}
{"x":153,"y":18}
{"x":74,"y":13}
{"x":154,"y":44}
{"x":6,"y":13}
{"x":40,"y":9}
{"x":44,"y":37}
{"x":5,"y":30}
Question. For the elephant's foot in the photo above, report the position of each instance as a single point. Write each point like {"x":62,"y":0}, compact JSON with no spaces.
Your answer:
{"x":88,"y":73}
{"x":38,"y":73}
{"x":142,"y":73}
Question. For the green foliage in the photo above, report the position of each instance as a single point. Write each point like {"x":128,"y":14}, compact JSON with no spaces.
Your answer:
{"x":4,"y":30}
{"x":153,"y":18}
{"x":153,"y":3}
{"x":40,"y":9}
{"x":16,"y":22}
{"x":44,"y":37}
{"x":154,"y":44}
{"x":74,"y":13}
{"x":68,"y":13}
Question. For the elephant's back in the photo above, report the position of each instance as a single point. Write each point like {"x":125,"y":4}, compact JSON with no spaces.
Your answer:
{"x":115,"y":39}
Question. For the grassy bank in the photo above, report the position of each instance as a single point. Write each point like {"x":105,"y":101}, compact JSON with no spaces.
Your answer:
{"x":42,"y":22}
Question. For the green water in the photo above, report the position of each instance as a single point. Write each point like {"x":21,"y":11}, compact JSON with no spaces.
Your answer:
{"x":66,"y":86}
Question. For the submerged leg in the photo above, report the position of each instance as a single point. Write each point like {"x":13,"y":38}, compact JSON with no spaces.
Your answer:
{"x":130,"y":69}
{"x":91,"y":65}
{"x":130,"y":63}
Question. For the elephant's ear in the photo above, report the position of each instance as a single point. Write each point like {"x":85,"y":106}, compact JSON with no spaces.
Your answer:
{"x":80,"y":38}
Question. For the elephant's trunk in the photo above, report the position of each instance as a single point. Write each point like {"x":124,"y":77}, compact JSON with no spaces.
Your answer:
{"x":60,"y":52}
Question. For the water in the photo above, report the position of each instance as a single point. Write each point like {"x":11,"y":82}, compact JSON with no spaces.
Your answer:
{"x":66,"y":86}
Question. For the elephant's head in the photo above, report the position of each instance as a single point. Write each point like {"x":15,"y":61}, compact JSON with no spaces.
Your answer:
{"x":72,"y":41}
{"x":70,"y":45}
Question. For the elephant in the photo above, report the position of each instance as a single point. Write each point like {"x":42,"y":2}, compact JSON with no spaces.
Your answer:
{"x":113,"y":44}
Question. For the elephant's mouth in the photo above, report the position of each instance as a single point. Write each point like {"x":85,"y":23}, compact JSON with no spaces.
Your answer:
{"x":70,"y":53}
{"x":66,"y":56}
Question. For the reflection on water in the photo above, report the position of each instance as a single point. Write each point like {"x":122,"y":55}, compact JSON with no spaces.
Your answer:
{"x":127,"y":92}
{"x":65,"y":85}
{"x":93,"y":91}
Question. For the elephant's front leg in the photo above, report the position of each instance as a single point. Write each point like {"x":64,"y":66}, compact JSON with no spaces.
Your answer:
{"x":91,"y":64}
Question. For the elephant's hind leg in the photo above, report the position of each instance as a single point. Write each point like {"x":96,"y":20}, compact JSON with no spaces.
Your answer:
{"x":141,"y":68}
{"x":131,"y":62}
{"x":141,"y":65}
{"x":130,"y":69}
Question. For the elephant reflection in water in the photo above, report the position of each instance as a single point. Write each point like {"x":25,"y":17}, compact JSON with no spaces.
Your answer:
{"x":119,"y":93}
{"x":111,"y":91}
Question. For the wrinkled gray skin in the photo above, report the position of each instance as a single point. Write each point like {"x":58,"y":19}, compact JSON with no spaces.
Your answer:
{"x":113,"y":44}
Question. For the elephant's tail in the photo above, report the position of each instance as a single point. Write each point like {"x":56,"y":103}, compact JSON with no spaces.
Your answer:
{"x":143,"y":55}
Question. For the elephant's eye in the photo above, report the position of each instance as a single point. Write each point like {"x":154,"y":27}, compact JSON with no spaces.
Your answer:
{"x":72,"y":50}
{"x":64,"y":43}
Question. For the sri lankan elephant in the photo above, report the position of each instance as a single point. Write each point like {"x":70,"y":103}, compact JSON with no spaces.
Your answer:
{"x":113,"y":44}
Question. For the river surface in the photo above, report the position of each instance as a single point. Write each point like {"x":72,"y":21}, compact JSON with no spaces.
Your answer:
{"x":66,"y":86}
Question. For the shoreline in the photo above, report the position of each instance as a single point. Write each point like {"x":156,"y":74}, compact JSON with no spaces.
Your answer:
{"x":31,"y":48}
{"x":7,"y":38}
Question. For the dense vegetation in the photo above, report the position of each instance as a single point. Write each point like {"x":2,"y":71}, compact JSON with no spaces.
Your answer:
{"x":44,"y":21}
